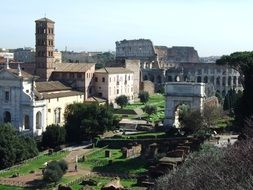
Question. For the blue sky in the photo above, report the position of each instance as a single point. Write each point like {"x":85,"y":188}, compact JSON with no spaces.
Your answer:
{"x":213,"y":27}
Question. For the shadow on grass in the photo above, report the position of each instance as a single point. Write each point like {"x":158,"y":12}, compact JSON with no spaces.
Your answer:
{"x":39,"y":183}
{"x":129,"y":166}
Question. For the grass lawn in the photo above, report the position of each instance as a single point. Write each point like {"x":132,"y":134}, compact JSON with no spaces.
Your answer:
{"x":127,"y":183}
{"x":157,"y":100}
{"x":5,"y":187}
{"x":34,"y":165}
{"x":224,"y":122}
{"x":97,"y":162}
{"x":144,"y":134}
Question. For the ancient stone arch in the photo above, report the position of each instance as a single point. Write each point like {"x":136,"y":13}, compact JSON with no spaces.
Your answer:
{"x":177,"y":93}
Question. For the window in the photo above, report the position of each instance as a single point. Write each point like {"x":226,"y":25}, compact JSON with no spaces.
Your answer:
{"x":117,"y":91}
{"x":38,"y":120}
{"x":57,"y":115}
{"x":7,"y":96}
{"x":7,"y":117}
{"x":103,"y":79}
{"x":96,"y":79}
{"x":26,"y":122}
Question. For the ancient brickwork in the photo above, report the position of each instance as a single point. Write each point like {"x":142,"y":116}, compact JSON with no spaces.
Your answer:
{"x":132,"y":150}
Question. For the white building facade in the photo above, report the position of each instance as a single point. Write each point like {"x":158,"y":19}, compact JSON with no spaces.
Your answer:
{"x":112,"y":82}
{"x":18,"y":102}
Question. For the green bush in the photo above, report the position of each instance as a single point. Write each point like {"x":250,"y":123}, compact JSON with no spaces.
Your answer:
{"x":14,"y":147}
{"x":54,"y":136}
{"x":63,"y":165}
{"x":54,"y":171}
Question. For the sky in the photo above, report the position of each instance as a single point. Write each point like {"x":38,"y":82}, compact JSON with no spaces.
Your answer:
{"x":213,"y":27}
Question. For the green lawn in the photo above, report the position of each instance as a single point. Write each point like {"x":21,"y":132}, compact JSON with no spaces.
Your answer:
{"x":97,"y":162}
{"x":5,"y":187}
{"x":144,"y":134}
{"x":34,"y":165}
{"x":127,"y":183}
{"x":224,"y":122}
{"x":157,"y":100}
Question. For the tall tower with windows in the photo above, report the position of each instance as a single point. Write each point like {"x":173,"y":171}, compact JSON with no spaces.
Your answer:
{"x":44,"y":57}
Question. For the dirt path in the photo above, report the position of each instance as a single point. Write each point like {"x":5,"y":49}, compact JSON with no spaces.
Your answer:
{"x":34,"y":179}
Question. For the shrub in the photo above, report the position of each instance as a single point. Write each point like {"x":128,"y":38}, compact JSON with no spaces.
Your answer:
{"x":54,"y":136}
{"x":144,"y":96}
{"x":63,"y":165}
{"x":54,"y":171}
{"x":14,"y":147}
{"x":230,"y":168}
{"x":122,"y":101}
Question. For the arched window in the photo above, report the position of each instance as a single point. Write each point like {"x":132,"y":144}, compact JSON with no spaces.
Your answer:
{"x":223,"y":81}
{"x":218,"y":81}
{"x":145,"y":77}
{"x":26,"y":122}
{"x":38,"y":120}
{"x":234,"y":80}
{"x":7,"y":117}
{"x":229,"y":80}
{"x":199,"y":79}
{"x":152,"y":79}
{"x":159,"y":79}
{"x":205,"y":79}
{"x":57,"y":115}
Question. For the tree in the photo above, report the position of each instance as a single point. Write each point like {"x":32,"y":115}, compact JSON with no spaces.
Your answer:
{"x":231,"y":99}
{"x":87,"y":121}
{"x":144,"y":96}
{"x":211,"y":115}
{"x":14,"y":147}
{"x":219,"y":96}
{"x":55,"y":170}
{"x":54,"y":136}
{"x":122,"y":101}
{"x":150,"y":109}
{"x":191,"y":121}
{"x":243,"y":63}
{"x":228,"y":168}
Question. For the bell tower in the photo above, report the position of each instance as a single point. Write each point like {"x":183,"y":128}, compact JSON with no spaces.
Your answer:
{"x":44,"y":58}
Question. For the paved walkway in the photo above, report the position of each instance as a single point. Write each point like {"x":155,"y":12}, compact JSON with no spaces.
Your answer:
{"x":223,"y":140}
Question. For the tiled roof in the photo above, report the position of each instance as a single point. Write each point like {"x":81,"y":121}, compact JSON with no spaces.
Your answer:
{"x":73,"y":67}
{"x":23,"y":73}
{"x":44,"y":20}
{"x":113,"y":70}
{"x":61,"y":94}
{"x":51,"y":86}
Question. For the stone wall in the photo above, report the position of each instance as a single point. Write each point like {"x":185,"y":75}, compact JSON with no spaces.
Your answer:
{"x":131,"y":150}
{"x":147,"y":86}
{"x":134,"y":65}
